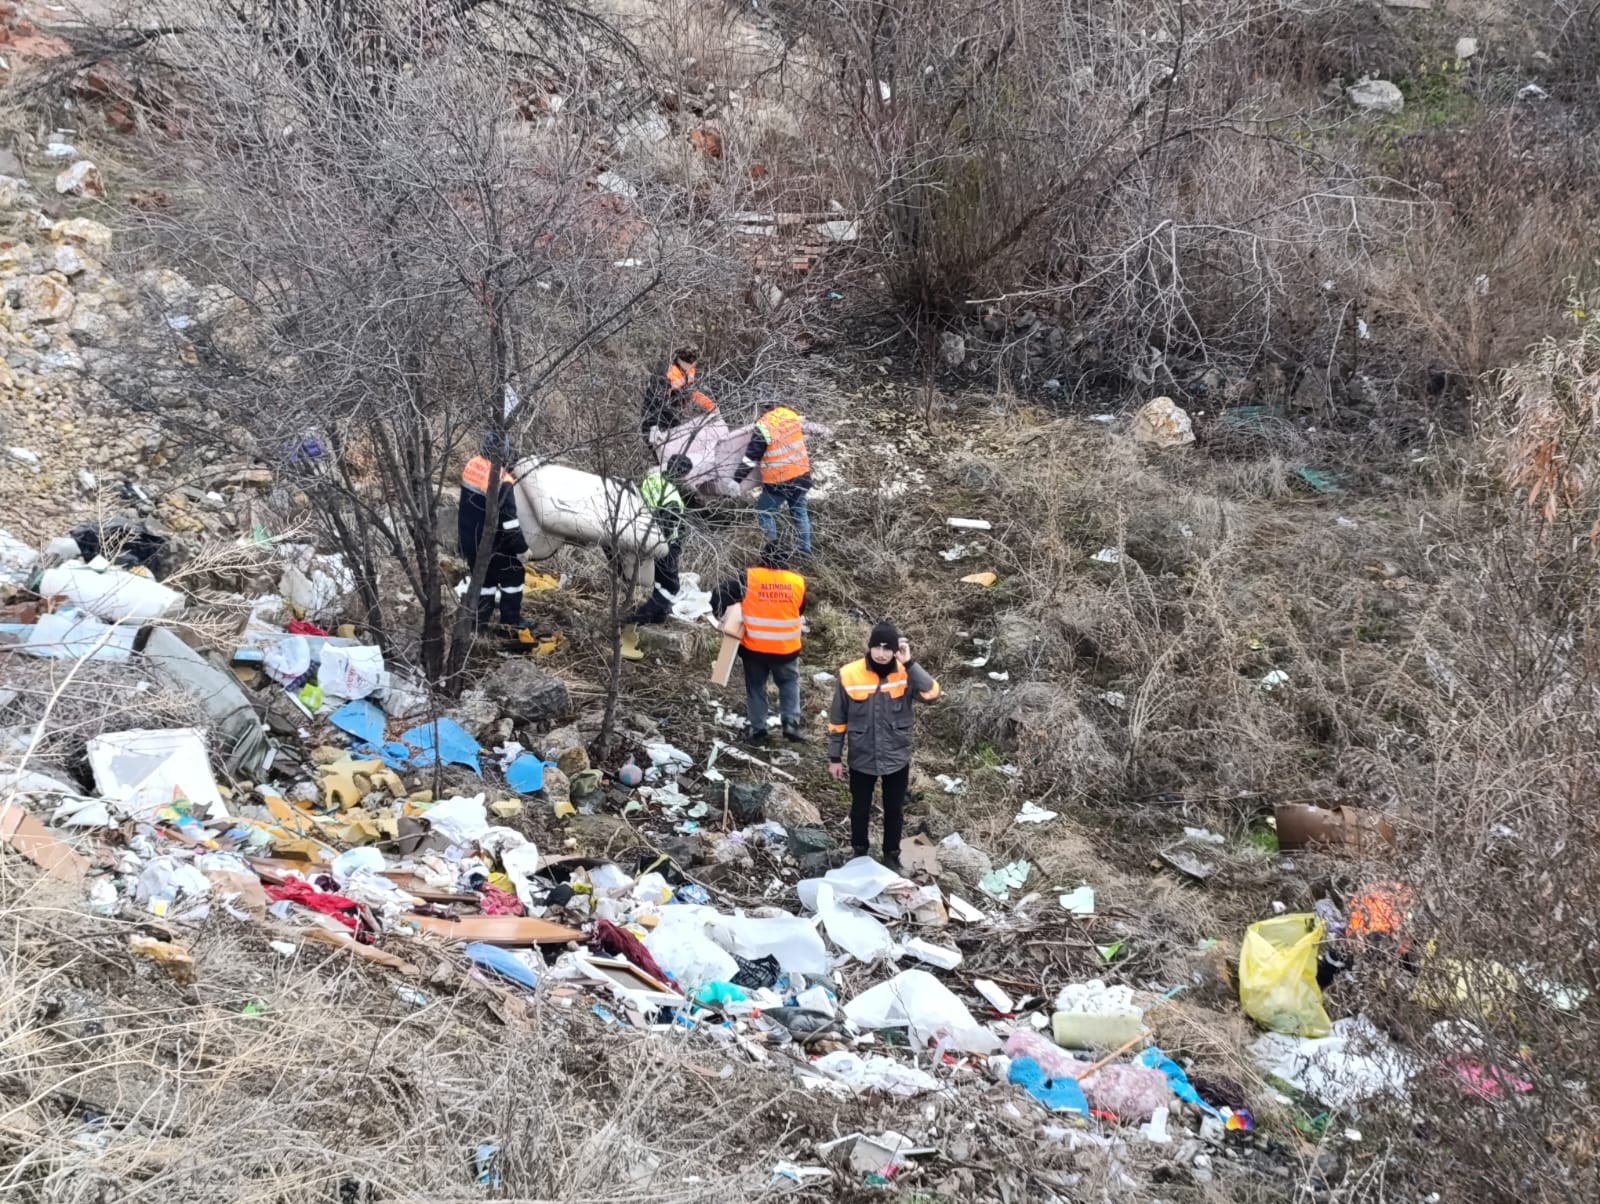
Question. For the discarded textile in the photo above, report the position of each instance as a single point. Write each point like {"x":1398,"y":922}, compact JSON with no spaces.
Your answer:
{"x":619,"y":942}
{"x":337,"y":906}
{"x":493,"y":901}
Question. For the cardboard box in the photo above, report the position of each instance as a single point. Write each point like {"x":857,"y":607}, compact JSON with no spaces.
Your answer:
{"x":732,"y":628}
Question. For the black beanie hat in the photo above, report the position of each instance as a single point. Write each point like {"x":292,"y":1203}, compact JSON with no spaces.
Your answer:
{"x":884,"y":635}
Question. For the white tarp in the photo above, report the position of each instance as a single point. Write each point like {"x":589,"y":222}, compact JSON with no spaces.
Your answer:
{"x":111,"y":593}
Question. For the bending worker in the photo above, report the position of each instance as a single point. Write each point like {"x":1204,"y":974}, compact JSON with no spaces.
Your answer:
{"x":778,"y":448}
{"x":871,"y":713}
{"x":665,"y":502}
{"x":670,"y":395}
{"x":502,"y":582}
{"x":773,"y":598}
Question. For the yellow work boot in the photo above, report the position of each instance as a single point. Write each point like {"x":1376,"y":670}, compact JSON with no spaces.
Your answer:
{"x":630,"y":643}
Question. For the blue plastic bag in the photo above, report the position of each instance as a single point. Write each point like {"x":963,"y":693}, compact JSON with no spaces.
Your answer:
{"x":1059,"y":1095}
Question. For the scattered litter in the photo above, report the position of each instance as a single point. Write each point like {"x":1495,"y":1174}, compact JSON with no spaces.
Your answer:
{"x":956,"y":552}
{"x":1204,"y":836}
{"x":173,"y":956}
{"x":1079,"y":902}
{"x":934,"y":955}
{"x":1353,"y":1062}
{"x":1108,"y":556}
{"x":111,"y":593}
{"x":916,"y":1000}
{"x":951,"y":785}
{"x":1278,"y":975}
{"x":970,"y":524}
{"x":984,"y":579}
{"x":141,"y":771}
{"x":875,"y":1073}
{"x":995,"y":995}
{"x":1003,"y":675}
{"x":1032,"y":813}
{"x":1274,"y":679}
{"x":26,"y":835}
{"x":998,"y":884}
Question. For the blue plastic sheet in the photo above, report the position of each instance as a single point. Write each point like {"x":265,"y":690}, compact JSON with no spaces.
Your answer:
{"x":1177,"y":1080}
{"x":391,"y":752}
{"x":443,"y":740}
{"x":502,"y":962}
{"x":526,"y":774}
{"x":1063,"y":1094}
{"x":361,"y":719}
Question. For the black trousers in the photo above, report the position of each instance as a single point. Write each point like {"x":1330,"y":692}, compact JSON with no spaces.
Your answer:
{"x":664,"y":592}
{"x":894,"y":807}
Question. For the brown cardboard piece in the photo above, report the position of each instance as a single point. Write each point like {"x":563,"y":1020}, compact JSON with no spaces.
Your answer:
{"x":496,"y":930}
{"x":732,"y":628}
{"x":1303,"y":825}
{"x":32,"y":839}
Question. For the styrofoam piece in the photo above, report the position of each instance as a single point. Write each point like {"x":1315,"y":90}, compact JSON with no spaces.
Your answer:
{"x":113,"y":594}
{"x":141,"y":771}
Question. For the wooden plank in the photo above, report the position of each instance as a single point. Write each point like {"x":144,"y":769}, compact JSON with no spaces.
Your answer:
{"x":495,"y":930}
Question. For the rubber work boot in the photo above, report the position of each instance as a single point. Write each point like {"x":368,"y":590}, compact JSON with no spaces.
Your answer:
{"x":791,"y":731}
{"x":860,"y":850}
{"x":891,"y":860}
{"x":630,"y":643}
{"x":754,"y":738}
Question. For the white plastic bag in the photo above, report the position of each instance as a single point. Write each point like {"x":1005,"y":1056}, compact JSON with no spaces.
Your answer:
{"x":114,"y":594}
{"x":917,"y":1000}
{"x":287,"y":661}
{"x":794,"y":941}
{"x":350,"y":672}
{"x":520,"y":864}
{"x":861,"y":878}
{"x":462,"y":821}
{"x":681,"y":948}
{"x":857,"y":933}
{"x":362,"y":859}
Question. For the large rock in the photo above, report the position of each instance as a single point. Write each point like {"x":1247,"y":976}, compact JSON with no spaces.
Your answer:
{"x":88,"y":235}
{"x":528,"y":694}
{"x":1376,"y":96}
{"x":81,"y":179}
{"x":1163,"y":423}
{"x":754,"y":802}
{"x":45,"y":298}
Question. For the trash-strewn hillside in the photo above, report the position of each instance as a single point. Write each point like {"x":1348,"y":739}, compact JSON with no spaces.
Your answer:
{"x":1206,"y":393}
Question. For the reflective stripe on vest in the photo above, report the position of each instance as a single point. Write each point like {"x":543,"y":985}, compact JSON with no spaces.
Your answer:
{"x":475,"y":476}
{"x":785,"y":457}
{"x":772,"y":599}
{"x":861,"y":683}
{"x":659,"y":493}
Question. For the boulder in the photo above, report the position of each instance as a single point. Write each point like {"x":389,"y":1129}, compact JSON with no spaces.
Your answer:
{"x":572,"y":759}
{"x":45,"y":298}
{"x":81,"y":179}
{"x":556,"y":786}
{"x":80,"y":232}
{"x":1376,"y":96}
{"x":787,"y":806}
{"x":747,"y":802}
{"x":70,"y":261}
{"x":528,"y":694}
{"x":1163,"y":423}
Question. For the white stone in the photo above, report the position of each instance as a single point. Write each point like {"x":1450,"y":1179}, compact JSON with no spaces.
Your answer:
{"x":69,"y":261}
{"x":81,"y":179}
{"x":1466,"y":48}
{"x":1376,"y":96}
{"x":1164,"y":423}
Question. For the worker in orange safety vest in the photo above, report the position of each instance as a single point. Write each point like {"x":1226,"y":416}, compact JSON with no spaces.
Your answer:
{"x":502,"y":582}
{"x":871,"y":715}
{"x":670,"y":396}
{"x":773,"y":599}
{"x":778,"y":448}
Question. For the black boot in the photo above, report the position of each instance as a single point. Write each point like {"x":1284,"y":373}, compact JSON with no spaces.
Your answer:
{"x":791,"y":731}
{"x":892,"y":860}
{"x":860,"y":850}
{"x":754,"y":738}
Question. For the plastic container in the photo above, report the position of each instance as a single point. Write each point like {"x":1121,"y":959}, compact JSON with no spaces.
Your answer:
{"x":1096,"y":1030}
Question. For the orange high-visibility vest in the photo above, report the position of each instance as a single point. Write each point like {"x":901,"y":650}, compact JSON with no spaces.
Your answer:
{"x":701,"y":401}
{"x":786,"y":457}
{"x":772,"y":599}
{"x":475,"y":476}
{"x":861,"y":683}
{"x":678,"y":377}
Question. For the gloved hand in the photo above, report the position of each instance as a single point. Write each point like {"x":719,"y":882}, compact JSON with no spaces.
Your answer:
{"x":740,"y":473}
{"x":513,"y":543}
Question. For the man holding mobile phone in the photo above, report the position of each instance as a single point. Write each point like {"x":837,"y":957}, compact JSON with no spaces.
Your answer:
{"x":871,"y":716}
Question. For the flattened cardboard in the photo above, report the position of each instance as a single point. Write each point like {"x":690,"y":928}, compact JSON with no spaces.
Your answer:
{"x":732,"y":628}
{"x":32,"y":839}
{"x":496,"y":930}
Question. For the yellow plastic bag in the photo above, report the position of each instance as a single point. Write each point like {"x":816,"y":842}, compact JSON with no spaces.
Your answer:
{"x":1278,"y":975}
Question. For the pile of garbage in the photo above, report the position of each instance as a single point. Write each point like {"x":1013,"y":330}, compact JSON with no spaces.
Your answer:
{"x":351,"y":813}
